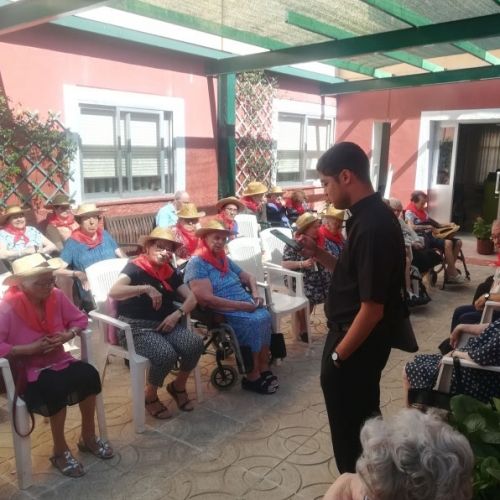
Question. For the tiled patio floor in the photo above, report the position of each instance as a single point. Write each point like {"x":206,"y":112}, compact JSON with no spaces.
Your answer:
{"x":235,"y":444}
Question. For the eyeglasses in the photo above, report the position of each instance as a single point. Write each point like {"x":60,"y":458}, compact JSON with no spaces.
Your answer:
{"x":45,"y":284}
{"x":495,"y":237}
{"x":397,"y":210}
{"x":191,"y":221}
{"x":231,"y":210}
{"x":163,"y":248}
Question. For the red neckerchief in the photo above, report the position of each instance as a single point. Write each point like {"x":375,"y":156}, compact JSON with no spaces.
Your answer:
{"x":419,"y":212}
{"x":320,"y":240}
{"x":295,"y":205}
{"x":335,"y":237}
{"x":58,"y":221}
{"x":226,"y":221}
{"x":27,"y":312}
{"x":189,"y":240}
{"x":79,"y":236}
{"x":219,"y":260}
{"x":250,"y":203}
{"x":161,"y":273}
{"x":19,"y":234}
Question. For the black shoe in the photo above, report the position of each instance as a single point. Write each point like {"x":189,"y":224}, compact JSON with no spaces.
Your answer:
{"x":304,"y":337}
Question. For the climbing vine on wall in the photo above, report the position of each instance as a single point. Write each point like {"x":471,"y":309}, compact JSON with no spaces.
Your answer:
{"x":255,"y":92}
{"x":35,"y":156}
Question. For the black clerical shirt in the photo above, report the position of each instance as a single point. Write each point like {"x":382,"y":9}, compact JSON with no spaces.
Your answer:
{"x":371,"y":265}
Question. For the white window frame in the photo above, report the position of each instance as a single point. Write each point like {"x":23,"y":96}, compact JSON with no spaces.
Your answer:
{"x":309,"y":110}
{"x":75,"y":96}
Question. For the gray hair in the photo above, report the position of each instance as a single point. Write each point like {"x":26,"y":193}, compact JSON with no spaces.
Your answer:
{"x":415,"y":456}
{"x":178,"y":194}
{"x":395,"y":204}
{"x":496,"y":222}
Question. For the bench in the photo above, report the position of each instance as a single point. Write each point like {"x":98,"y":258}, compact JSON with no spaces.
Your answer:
{"x":127,"y":229}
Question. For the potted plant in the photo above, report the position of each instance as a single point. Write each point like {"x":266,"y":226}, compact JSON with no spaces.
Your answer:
{"x":482,"y":231}
{"x":480,"y":424}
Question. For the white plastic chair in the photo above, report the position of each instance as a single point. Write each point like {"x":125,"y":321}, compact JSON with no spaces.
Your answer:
{"x":247,"y":225}
{"x":22,"y":445}
{"x":247,"y":253}
{"x":102,"y":276}
{"x":273,"y":247}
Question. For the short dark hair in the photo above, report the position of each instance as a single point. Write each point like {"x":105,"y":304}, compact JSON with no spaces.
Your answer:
{"x":415,"y":196}
{"x":345,"y":155}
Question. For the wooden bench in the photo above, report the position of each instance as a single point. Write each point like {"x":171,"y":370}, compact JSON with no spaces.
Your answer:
{"x":127,"y":229}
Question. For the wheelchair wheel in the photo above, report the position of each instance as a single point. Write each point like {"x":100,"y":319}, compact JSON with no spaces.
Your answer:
{"x":224,"y":377}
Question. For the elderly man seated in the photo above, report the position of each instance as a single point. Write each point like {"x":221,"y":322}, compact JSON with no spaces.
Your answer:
{"x":167,"y":215}
{"x":418,"y":219}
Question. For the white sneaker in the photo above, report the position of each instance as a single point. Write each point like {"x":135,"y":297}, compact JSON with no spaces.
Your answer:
{"x":457,"y":279}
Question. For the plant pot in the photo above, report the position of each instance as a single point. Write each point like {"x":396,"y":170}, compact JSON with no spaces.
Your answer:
{"x":485,"y":247}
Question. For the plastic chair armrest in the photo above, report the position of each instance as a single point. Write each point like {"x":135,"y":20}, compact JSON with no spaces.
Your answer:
{"x":465,"y":363}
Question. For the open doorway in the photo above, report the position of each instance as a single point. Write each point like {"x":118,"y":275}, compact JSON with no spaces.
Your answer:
{"x":477,"y":160}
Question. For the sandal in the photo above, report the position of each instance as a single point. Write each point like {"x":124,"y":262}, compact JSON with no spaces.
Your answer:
{"x":101,"y":449}
{"x":67,"y":464}
{"x":161,"y":412}
{"x":260,"y":385}
{"x":270,"y":377}
{"x":175,"y":394}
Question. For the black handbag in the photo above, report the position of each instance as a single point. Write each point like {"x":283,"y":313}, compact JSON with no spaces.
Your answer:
{"x":434,"y":398}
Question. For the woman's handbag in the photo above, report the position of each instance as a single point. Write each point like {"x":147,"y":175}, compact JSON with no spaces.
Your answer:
{"x":445,"y":232}
{"x":20,"y":382}
{"x":278,"y":346}
{"x":434,"y":398}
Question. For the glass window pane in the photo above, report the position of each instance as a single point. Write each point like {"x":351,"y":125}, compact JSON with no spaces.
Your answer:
{"x":289,"y":133}
{"x":144,"y":130}
{"x":318,"y":135}
{"x":445,"y":149}
{"x":97,"y":128}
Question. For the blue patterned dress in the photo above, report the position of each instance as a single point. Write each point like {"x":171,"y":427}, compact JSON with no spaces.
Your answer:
{"x":484,"y":349}
{"x":252,"y":329}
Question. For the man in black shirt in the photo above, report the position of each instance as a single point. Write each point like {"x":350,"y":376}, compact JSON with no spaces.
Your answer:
{"x":363,"y":301}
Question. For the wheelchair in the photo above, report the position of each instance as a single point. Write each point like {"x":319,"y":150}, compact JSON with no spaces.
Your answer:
{"x":220,"y":341}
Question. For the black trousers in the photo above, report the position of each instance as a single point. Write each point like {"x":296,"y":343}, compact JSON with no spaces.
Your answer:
{"x":352,"y":393}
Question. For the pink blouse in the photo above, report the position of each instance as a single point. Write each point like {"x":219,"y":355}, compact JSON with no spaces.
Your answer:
{"x":14,"y":331}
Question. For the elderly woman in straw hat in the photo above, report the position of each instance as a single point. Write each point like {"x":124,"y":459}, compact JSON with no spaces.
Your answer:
{"x":145,"y":292}
{"x":18,"y":239}
{"x":36,"y":320}
{"x":227,"y":210}
{"x":316,"y":277}
{"x":219,"y":285}
{"x":88,"y":244}
{"x":253,"y":199}
{"x":331,"y":230}
{"x":188,"y":219}
{"x":61,"y":221}
{"x":276,"y":208}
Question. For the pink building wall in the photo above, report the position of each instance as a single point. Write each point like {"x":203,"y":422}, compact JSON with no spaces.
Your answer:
{"x":357,"y":112}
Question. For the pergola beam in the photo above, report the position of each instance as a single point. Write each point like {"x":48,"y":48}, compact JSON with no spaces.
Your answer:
{"x":395,"y":9}
{"x":476,"y":27}
{"x":28,"y":13}
{"x":314,"y":26}
{"x":451,"y":76}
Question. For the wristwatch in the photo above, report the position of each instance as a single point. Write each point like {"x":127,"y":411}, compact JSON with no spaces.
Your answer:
{"x":183,"y":313}
{"x":336,"y":359}
{"x":486,"y":296}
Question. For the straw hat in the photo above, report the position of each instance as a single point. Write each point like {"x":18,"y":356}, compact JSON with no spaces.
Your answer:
{"x":275,"y":190}
{"x":210,"y":227}
{"x":159,"y":233}
{"x":87,"y":209}
{"x":254,"y":188}
{"x":231,"y":200}
{"x":10,"y":211}
{"x":189,"y":211}
{"x":331,"y":211}
{"x":59,"y":200}
{"x":32,"y":265}
{"x":304,"y":221}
